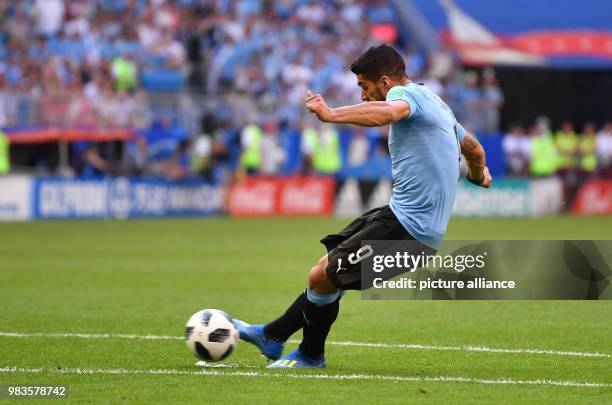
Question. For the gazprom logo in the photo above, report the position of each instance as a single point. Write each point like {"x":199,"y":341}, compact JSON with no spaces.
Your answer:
{"x":119,"y":197}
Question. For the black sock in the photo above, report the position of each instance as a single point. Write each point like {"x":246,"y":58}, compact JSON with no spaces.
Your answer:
{"x":288,"y":323}
{"x":317,"y":323}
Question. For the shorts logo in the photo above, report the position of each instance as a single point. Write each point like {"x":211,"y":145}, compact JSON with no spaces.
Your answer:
{"x":340,"y":268}
{"x":363,"y":253}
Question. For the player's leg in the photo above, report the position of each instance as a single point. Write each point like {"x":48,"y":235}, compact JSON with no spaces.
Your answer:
{"x":339,"y":270}
{"x":288,"y":323}
{"x":292,"y":320}
{"x":270,"y":338}
{"x":318,"y":314}
{"x":317,"y":306}
{"x":272,"y":349}
{"x":320,"y":311}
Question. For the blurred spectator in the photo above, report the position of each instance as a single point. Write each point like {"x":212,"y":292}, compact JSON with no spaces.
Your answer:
{"x":8,"y":103}
{"x":89,"y":161}
{"x":471,"y":101}
{"x":94,"y":87}
{"x":124,"y":72}
{"x":440,"y":64}
{"x":172,"y":51}
{"x":321,"y":149}
{"x":250,"y":140}
{"x":272,"y":152}
{"x":202,"y":156}
{"x":80,"y":112}
{"x":49,"y":16}
{"x":17,"y":25}
{"x":5,"y":162}
{"x":105,"y":106}
{"x":586,"y":149}
{"x":124,"y":107}
{"x":603,"y":147}
{"x":567,"y":145}
{"x":210,"y":150}
{"x":141,"y":114}
{"x":359,"y":147}
{"x":167,"y":149}
{"x":138,"y":156}
{"x":544,"y":157}
{"x":148,"y":32}
{"x":493,"y":100}
{"x":179,"y":165}
{"x":517,"y":151}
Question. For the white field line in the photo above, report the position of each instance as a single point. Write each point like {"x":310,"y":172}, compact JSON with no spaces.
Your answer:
{"x":91,"y":335}
{"x":471,"y":349}
{"x":400,"y":346}
{"x":370,"y":377}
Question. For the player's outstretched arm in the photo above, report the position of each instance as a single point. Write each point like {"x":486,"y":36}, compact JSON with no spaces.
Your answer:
{"x":478,"y":172}
{"x":370,"y":114}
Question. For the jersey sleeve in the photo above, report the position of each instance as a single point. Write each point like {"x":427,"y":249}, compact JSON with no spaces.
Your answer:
{"x":460,"y":131}
{"x":402,"y":93}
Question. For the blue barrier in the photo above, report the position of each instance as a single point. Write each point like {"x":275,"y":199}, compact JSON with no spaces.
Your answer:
{"x":122,"y":198}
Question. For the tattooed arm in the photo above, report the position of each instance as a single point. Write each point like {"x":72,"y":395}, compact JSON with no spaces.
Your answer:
{"x":478,"y":172}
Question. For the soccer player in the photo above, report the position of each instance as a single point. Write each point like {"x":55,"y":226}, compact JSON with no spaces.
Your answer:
{"x":425,"y":142}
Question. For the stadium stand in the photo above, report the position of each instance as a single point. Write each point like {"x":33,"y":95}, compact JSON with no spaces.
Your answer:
{"x":166,"y":88}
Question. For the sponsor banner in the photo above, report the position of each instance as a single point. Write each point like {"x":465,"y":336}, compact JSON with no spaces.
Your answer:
{"x":485,"y":270}
{"x":354,"y":197}
{"x":254,"y":197}
{"x":15,"y":197}
{"x":122,"y":198}
{"x":266,"y":196}
{"x":306,"y":196}
{"x":507,"y":197}
{"x":546,"y":196}
{"x":594,"y":198}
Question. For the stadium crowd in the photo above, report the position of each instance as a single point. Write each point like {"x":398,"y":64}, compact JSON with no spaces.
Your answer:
{"x":243,"y":66}
{"x":362,"y":152}
{"x":270,"y":50}
{"x":539,"y":151}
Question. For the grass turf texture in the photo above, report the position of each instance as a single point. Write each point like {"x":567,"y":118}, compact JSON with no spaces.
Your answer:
{"x":148,"y":277}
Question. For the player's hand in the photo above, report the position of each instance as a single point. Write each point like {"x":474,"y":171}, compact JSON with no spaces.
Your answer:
{"x":484,"y":181}
{"x":487,"y":179}
{"x":315,"y":103}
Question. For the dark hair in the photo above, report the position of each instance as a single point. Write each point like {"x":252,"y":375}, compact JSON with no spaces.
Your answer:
{"x":379,"y":60}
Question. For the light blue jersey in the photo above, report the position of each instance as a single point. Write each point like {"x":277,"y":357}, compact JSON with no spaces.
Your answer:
{"x":425,"y":154}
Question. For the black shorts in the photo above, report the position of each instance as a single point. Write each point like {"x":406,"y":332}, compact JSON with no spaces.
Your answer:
{"x":378,"y":224}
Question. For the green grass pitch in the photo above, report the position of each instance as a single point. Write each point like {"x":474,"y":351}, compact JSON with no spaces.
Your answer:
{"x":146,"y":277}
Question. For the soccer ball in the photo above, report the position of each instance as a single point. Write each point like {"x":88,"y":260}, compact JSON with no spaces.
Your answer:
{"x":211,"y":335}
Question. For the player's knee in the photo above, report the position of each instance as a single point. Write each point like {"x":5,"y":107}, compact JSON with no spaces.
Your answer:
{"x":317,"y":274}
{"x":318,"y":280}
{"x":313,"y":276}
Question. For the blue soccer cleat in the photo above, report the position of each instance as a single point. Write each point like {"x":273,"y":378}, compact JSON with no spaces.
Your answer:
{"x":296,"y":359}
{"x":255,"y":334}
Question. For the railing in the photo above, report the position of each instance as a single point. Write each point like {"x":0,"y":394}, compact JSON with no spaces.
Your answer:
{"x":102,"y":111}
{"x":64,"y":109}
